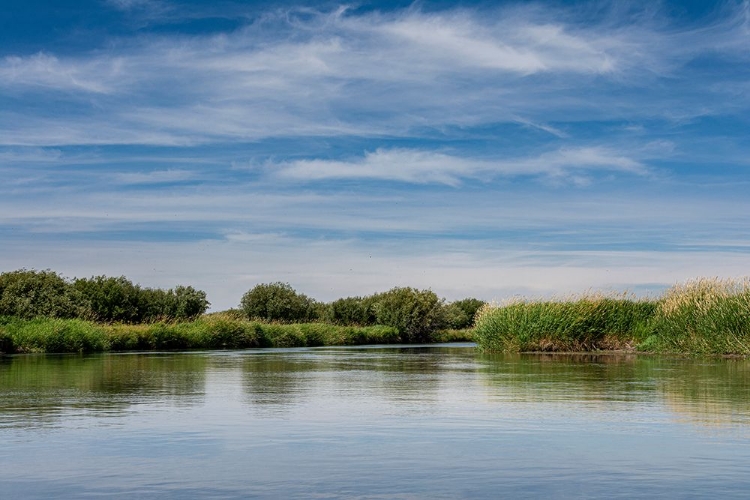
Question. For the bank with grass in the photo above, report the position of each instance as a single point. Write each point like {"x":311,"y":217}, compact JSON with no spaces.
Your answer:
{"x":41,"y":311}
{"x":703,"y":316}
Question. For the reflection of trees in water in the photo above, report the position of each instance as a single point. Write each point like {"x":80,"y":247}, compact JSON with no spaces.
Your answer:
{"x":282,"y":379}
{"x":35,"y":389}
{"x":715,"y":391}
{"x":276,"y":379}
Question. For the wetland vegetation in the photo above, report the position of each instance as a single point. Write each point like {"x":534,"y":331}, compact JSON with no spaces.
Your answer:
{"x":40,"y":311}
{"x":703,"y":316}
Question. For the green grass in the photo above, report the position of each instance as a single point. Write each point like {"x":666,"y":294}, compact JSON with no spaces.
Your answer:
{"x":702,"y":317}
{"x":706,"y":316}
{"x":581,"y":324}
{"x":209,"y":332}
{"x":52,"y":335}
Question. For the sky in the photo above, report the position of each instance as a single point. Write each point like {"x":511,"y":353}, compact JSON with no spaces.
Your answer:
{"x":478,"y":149}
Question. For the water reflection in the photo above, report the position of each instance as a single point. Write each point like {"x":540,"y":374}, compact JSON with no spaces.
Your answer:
{"x":390,"y":422}
{"x":708,"y":391}
{"x":40,"y":389}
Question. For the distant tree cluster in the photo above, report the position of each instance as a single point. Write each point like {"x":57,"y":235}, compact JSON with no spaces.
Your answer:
{"x":415,"y":313}
{"x":29,"y":294}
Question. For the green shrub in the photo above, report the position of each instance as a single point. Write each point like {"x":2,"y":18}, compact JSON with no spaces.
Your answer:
{"x":351,"y":311}
{"x":416,"y":314}
{"x":460,"y":314}
{"x":277,"y":302}
{"x":112,"y":299}
{"x":30,"y":294}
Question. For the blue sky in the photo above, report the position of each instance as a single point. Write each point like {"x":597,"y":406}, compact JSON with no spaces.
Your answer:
{"x":480,"y":149}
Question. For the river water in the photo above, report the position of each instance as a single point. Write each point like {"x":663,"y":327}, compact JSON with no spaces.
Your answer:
{"x":373,"y":422}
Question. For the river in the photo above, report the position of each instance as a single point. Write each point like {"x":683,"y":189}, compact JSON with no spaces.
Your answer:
{"x":373,"y":422}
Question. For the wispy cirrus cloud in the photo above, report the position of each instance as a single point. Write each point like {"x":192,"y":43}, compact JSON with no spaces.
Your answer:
{"x":347,"y":73}
{"x":422,"y":167}
{"x":348,"y":150}
{"x":153,"y":177}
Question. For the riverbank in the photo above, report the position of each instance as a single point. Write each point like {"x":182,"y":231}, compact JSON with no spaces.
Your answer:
{"x":213,"y":331}
{"x":701,"y":317}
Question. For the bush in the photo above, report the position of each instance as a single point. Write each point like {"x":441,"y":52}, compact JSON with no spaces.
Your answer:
{"x":119,"y":300}
{"x":277,"y":302}
{"x":187,"y":303}
{"x":416,"y":314}
{"x":351,"y":311}
{"x":460,"y":314}
{"x":112,"y":299}
{"x":29,"y":294}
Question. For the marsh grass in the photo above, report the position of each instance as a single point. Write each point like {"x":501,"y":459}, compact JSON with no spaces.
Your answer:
{"x":216,"y":331}
{"x":54,"y":335}
{"x":578,"y":323}
{"x":703,"y":316}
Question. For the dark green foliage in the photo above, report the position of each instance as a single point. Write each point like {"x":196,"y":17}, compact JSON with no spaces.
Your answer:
{"x":29,"y":294}
{"x":416,"y":314}
{"x":460,"y":314}
{"x":119,"y":300}
{"x":352,"y":311}
{"x":112,"y":299}
{"x":6,"y":340}
{"x":186,"y":303}
{"x":278,"y":302}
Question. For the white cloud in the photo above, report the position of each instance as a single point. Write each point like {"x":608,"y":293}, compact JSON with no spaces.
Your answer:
{"x":422,"y":167}
{"x":371,"y":74}
{"x":49,"y":72}
{"x":153,"y":177}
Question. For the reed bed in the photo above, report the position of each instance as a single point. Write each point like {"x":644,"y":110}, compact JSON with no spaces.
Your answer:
{"x":47,"y":335}
{"x":703,"y":316}
{"x":577,"y":323}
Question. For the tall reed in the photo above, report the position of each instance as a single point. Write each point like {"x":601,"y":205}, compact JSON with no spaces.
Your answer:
{"x":579,"y":323}
{"x":209,"y":332}
{"x":704,"y":316}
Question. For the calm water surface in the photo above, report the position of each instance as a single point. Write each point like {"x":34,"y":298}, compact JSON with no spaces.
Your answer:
{"x":377,"y":422}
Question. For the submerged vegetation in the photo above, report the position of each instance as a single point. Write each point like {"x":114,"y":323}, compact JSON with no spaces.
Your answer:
{"x":704,"y":316}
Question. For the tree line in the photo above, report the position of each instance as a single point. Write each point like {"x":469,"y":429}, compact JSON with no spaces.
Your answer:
{"x":415,"y":313}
